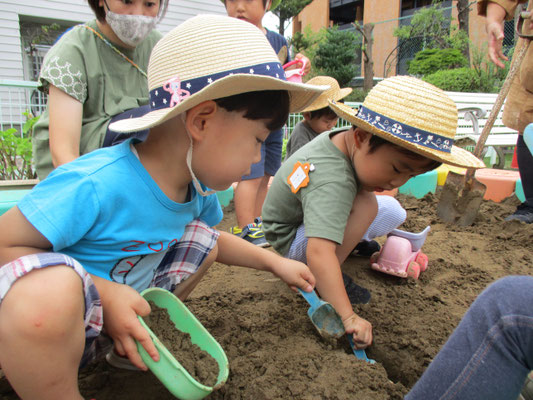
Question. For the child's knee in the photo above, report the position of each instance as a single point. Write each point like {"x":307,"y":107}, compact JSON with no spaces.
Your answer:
{"x":391,"y":209}
{"x":44,"y":304}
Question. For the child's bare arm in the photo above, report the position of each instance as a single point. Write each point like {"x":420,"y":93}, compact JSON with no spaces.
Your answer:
{"x":233,"y":250}
{"x":121,"y":305}
{"x":18,"y":237}
{"x":324,"y":264}
{"x":323,"y":261}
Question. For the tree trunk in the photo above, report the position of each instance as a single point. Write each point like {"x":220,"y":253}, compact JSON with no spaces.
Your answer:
{"x":281,"y":28}
{"x":368,"y":41}
{"x":463,"y":12}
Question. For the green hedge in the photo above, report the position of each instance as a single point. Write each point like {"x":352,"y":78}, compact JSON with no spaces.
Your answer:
{"x":429,"y":61}
{"x":455,"y":80}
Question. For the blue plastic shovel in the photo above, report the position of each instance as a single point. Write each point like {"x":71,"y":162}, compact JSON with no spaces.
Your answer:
{"x":360,"y":354}
{"x":323,"y":316}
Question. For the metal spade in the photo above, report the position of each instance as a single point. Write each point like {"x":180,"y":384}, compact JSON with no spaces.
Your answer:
{"x":323,"y":316}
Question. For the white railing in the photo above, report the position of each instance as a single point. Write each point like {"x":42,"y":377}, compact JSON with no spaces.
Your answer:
{"x":294,"y":118}
{"x":16,"y":98}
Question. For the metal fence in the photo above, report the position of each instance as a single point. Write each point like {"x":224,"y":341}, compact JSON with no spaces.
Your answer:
{"x":17,"y":98}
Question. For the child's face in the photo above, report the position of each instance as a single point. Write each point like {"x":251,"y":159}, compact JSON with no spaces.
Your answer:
{"x":322,"y":124}
{"x":231,"y":146}
{"x":133,"y":7}
{"x":251,"y":11}
{"x":386,"y":168}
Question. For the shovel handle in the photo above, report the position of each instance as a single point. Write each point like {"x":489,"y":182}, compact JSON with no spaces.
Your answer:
{"x":359,"y":354}
{"x":311,"y":298}
{"x":515,"y":66}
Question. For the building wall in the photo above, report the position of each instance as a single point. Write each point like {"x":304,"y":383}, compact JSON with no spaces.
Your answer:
{"x":384,"y":41}
{"x":315,"y":15}
{"x":73,"y":11}
{"x":384,"y":14}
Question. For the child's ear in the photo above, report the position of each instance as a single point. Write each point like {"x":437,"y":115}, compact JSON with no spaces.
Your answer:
{"x":361,"y":136}
{"x":307,"y":115}
{"x":199,"y":117}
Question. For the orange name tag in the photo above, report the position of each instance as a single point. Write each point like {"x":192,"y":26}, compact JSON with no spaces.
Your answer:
{"x":299,"y":177}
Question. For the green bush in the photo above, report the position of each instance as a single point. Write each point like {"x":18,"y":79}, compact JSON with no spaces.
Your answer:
{"x":16,"y":151}
{"x":430,"y":61}
{"x":357,"y":95}
{"x":336,"y":55}
{"x":454,"y":80}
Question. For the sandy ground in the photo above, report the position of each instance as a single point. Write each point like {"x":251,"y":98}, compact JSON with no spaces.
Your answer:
{"x":273,"y":350}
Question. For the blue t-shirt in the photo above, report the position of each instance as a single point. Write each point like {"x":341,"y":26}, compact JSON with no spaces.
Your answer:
{"x":106,"y":211}
{"x":278,"y":42}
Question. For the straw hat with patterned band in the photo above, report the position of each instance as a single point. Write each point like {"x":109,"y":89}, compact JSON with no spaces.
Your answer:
{"x":209,"y":57}
{"x":333,"y":93}
{"x":412,"y":114}
{"x":273,"y":4}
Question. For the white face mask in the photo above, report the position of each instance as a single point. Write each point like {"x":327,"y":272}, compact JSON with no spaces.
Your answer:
{"x":131,"y":29}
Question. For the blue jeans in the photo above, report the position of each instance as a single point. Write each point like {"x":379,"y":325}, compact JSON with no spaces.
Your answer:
{"x":490,"y":353}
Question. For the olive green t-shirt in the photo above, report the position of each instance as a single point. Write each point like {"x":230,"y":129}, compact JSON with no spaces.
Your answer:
{"x":323,"y":206}
{"x":86,"y":68}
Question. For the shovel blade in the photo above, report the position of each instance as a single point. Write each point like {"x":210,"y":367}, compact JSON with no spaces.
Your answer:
{"x":460,"y":199}
{"x":327,"y":321}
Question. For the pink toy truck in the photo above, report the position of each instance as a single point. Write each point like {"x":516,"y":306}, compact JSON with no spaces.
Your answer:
{"x":401,"y":255}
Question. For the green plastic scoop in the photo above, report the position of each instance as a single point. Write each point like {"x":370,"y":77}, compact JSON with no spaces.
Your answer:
{"x":168,"y":370}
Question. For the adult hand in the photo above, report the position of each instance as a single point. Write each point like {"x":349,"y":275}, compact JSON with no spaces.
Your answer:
{"x":361,"y":330}
{"x":495,"y":40}
{"x":121,"y":305}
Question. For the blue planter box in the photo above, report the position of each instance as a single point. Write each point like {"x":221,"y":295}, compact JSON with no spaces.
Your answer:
{"x":225,"y":196}
{"x":420,"y":185}
{"x":9,"y":198}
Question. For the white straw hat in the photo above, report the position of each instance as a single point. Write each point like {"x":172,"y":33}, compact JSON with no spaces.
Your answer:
{"x":209,"y":57}
{"x":412,"y":114}
{"x":333,"y":93}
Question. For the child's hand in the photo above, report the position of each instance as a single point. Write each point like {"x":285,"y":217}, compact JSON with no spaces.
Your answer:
{"x":306,"y":60}
{"x":121,"y":305}
{"x":295,"y":274}
{"x":361,"y":330}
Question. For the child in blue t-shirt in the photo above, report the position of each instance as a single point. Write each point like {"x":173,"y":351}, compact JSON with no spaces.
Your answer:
{"x":80,"y":247}
{"x":251,"y":190}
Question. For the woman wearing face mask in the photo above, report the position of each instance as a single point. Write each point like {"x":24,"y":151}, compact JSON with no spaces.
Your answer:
{"x":94,"y":74}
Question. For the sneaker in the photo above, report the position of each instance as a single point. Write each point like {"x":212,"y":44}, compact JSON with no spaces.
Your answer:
{"x":523,"y":213}
{"x":259,"y":222}
{"x":366,"y":248}
{"x":118,"y":361}
{"x":251,"y":233}
{"x":356,"y":293}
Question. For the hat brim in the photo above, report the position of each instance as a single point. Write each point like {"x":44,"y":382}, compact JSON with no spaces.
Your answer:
{"x":317,"y":105}
{"x":300,"y":94}
{"x":457,"y":157}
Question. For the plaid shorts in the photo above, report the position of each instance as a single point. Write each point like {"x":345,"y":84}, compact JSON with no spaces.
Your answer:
{"x":181,"y":261}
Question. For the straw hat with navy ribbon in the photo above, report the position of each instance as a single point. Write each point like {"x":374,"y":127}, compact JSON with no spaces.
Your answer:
{"x":333,"y":93}
{"x":412,"y":114}
{"x":209,"y":57}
